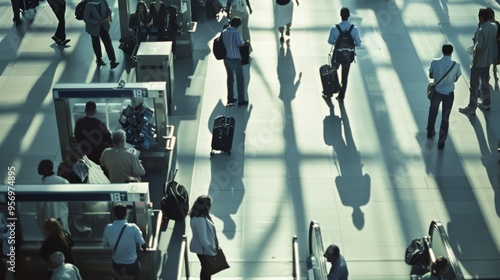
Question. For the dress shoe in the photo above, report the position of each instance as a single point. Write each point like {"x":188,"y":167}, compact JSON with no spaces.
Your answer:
{"x":100,"y":63}
{"x":243,"y":103}
{"x":231,"y":100}
{"x":56,"y":40}
{"x":113,"y":64}
{"x":431,"y":134}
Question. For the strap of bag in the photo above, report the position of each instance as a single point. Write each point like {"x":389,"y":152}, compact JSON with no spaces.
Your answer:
{"x":446,"y":74}
{"x":119,"y":237}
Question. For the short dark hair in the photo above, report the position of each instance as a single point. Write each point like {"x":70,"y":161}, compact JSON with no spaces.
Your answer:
{"x":235,"y":22}
{"x":45,"y":167}
{"x":90,"y":106}
{"x":447,"y":49}
{"x":439,"y":267}
{"x":120,"y":211}
{"x":483,"y":13}
{"x":345,"y":13}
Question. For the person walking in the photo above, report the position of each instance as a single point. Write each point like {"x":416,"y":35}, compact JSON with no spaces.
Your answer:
{"x":343,"y":26}
{"x":445,"y":73}
{"x":204,"y":240}
{"x":57,"y":240}
{"x":339,"y":270}
{"x":122,"y":238}
{"x":59,"y":9}
{"x":233,"y":41}
{"x":97,"y":17}
{"x":284,"y":15}
{"x":243,"y":10}
{"x":482,"y":58}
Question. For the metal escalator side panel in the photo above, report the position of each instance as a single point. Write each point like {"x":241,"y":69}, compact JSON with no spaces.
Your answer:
{"x":440,"y":245}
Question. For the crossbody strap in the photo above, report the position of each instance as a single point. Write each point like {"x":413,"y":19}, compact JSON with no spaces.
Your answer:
{"x":119,"y":237}
{"x":446,"y":74}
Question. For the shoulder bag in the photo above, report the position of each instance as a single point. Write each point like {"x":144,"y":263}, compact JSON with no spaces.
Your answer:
{"x":218,"y":262}
{"x":431,"y":88}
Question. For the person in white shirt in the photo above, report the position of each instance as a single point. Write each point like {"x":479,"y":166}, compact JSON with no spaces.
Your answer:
{"x":54,"y":209}
{"x":62,"y":270}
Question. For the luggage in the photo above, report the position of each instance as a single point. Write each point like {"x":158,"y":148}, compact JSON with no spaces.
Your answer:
{"x":175,"y":203}
{"x":329,"y":80}
{"x":223,"y":133}
{"x":344,"y":46}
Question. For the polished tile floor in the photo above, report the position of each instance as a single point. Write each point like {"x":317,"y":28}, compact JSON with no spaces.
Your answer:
{"x":364,"y":170}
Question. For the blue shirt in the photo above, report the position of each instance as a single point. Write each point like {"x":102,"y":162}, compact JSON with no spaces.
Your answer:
{"x":232,"y":41}
{"x":339,"y":270}
{"x":438,"y":68}
{"x":344,"y":25}
{"x":126,"y":251}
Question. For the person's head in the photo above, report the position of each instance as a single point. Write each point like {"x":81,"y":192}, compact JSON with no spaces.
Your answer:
{"x":119,"y":137}
{"x":447,"y":49}
{"x":51,"y":227}
{"x":345,"y":13}
{"x":235,"y":22}
{"x":201,"y":206}
{"x":141,"y":7}
{"x":483,"y":15}
{"x":56,"y":259}
{"x":491,"y":14}
{"x":438,"y":268}
{"x":332,"y":253}
{"x":120,"y":211}
{"x":90,"y":108}
{"x":46,"y":167}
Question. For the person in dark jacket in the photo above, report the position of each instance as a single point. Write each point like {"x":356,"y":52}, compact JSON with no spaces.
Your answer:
{"x":139,"y":21}
{"x":56,"y":240}
{"x":158,"y":17}
{"x":92,"y":134}
{"x":97,"y":17}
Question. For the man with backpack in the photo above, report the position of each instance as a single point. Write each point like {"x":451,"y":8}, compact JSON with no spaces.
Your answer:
{"x":344,"y":37}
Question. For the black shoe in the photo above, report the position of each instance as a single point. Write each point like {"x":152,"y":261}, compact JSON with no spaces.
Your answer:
{"x":232,"y":101}
{"x":243,"y":103}
{"x":100,"y":63}
{"x":440,"y":146}
{"x":56,"y":40}
{"x":63,"y":42}
{"x":113,"y":64}
{"x":431,"y":134}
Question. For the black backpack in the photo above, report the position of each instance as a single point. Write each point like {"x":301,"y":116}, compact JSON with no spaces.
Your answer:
{"x":417,"y":252}
{"x":344,"y":46}
{"x":219,"y":49}
{"x":80,"y":9}
{"x":175,"y":203}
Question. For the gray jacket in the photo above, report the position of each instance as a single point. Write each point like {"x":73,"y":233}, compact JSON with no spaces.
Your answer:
{"x":96,"y":10}
{"x":203,"y":239}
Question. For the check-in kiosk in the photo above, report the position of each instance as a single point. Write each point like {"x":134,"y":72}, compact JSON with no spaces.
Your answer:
{"x":115,"y":106}
{"x":91,"y":208}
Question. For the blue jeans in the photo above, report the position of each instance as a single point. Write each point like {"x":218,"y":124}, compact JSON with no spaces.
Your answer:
{"x":447,"y":101}
{"x":479,"y":74}
{"x":234,"y":67}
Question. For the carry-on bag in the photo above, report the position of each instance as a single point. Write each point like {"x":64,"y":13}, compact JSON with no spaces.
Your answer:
{"x":223,"y":132}
{"x":175,"y":203}
{"x":329,"y":78}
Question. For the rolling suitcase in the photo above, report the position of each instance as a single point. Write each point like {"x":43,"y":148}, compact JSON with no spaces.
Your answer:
{"x":223,"y":133}
{"x":175,"y":202}
{"x":329,"y":77}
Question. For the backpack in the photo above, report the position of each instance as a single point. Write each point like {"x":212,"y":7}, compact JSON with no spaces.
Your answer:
{"x":219,"y":49}
{"x":175,"y":203}
{"x":344,"y":46}
{"x":417,"y":251}
{"x":80,"y":9}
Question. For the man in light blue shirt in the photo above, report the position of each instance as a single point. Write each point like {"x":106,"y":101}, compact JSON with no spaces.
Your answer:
{"x":444,"y":92}
{"x":233,"y":41}
{"x":338,"y":271}
{"x":332,"y":38}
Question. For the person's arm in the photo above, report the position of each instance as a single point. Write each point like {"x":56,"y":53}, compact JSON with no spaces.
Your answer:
{"x":105,"y":240}
{"x":356,"y":36}
{"x":430,"y":71}
{"x":138,"y":238}
{"x":297,"y":1}
{"x":332,"y":37}
{"x":477,"y":48}
{"x":201,"y":228}
{"x":249,"y":7}
{"x":137,"y":168}
{"x":459,"y":72}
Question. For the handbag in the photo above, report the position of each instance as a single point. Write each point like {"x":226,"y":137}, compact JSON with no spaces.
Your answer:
{"x":431,"y":88}
{"x":217,"y":263}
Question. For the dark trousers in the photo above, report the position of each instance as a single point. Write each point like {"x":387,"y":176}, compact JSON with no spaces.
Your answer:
{"x":15,"y":9}
{"x":234,"y":67}
{"x":447,"y":101}
{"x":204,"y":274}
{"x":126,"y":271}
{"x":59,"y":8}
{"x":345,"y":74}
{"x":96,"y":45}
{"x":477,"y":75}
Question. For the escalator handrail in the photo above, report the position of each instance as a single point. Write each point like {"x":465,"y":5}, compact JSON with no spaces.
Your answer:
{"x":435,"y":224}
{"x":183,"y":259}
{"x":295,"y":257}
{"x":315,"y":229}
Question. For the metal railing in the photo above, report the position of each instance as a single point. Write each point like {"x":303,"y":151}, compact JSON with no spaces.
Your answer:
{"x":445,"y":250}
{"x":183,"y":259}
{"x":316,"y":251}
{"x":295,"y":257}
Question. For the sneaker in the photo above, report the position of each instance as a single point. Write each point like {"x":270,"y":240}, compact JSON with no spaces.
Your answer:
{"x":113,"y":64}
{"x":243,"y":103}
{"x":467,"y":111}
{"x":431,"y":134}
{"x":485,"y":107}
{"x":440,"y":146}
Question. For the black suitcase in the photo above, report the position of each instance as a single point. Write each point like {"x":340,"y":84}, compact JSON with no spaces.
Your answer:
{"x":223,"y":133}
{"x":175,"y":203}
{"x":329,"y":80}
